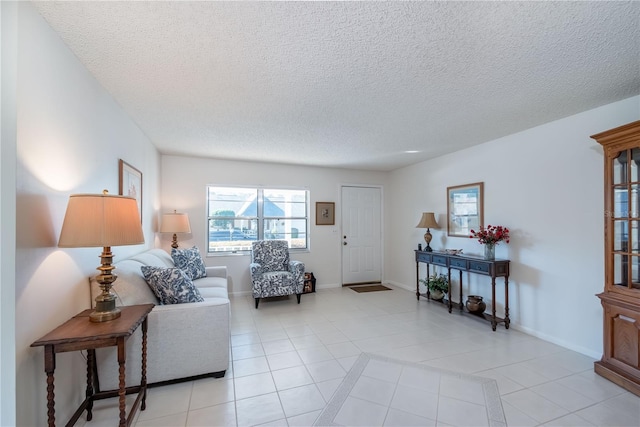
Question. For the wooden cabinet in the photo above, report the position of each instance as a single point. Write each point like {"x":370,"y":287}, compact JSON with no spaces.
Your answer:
{"x":620,"y":299}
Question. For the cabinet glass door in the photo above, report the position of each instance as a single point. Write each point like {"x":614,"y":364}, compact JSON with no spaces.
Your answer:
{"x":625,"y":219}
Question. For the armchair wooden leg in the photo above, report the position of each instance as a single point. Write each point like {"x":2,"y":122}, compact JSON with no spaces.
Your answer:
{"x":257,"y":302}
{"x":298,"y":296}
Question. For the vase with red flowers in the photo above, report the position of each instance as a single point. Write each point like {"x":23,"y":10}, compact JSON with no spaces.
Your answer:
{"x":490,"y":237}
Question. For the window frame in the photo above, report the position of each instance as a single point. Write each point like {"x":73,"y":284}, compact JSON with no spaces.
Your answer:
{"x":260,"y":218}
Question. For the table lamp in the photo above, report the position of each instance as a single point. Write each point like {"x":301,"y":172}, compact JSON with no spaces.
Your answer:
{"x":175,"y":223}
{"x":102,"y":220}
{"x":427,"y":221}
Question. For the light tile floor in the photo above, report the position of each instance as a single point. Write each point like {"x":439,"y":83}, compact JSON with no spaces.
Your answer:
{"x":288,"y":359}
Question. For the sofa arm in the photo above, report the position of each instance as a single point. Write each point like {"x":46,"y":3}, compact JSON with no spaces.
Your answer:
{"x":184,"y":340}
{"x":216,"y":272}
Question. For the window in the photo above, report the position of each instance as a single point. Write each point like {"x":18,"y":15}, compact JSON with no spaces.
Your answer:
{"x":239,"y":215}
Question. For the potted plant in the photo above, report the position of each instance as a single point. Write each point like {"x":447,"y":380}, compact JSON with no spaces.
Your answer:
{"x":438,"y":285}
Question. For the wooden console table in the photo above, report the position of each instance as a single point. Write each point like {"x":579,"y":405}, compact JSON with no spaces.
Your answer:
{"x":471,"y":264}
{"x":78,"y":333}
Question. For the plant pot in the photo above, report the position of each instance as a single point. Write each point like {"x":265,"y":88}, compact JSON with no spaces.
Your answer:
{"x":475,"y":304}
{"x":436,"y":295}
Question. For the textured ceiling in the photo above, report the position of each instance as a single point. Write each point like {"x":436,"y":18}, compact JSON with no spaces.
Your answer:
{"x":350,"y":84}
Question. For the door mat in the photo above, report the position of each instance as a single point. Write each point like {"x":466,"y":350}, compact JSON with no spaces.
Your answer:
{"x":372,"y":288}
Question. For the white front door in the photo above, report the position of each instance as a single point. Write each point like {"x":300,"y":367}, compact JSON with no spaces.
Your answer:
{"x":361,"y":235}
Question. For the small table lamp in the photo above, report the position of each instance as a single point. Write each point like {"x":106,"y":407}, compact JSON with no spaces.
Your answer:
{"x":175,"y":223}
{"x":427,"y":221}
{"x":102,"y":220}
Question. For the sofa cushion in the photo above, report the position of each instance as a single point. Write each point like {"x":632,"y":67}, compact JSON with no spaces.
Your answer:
{"x":189,"y":261}
{"x":171,"y":285}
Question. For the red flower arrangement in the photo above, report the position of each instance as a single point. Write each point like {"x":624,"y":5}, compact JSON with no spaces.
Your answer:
{"x":492,"y":235}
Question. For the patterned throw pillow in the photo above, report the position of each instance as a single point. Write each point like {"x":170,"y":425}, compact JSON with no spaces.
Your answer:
{"x":189,"y":261}
{"x":171,"y":285}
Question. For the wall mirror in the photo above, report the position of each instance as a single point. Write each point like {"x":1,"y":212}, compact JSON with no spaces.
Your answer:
{"x":464,"y":209}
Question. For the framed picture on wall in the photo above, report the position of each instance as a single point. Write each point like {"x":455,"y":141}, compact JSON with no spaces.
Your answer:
{"x":464,"y":209}
{"x":325,"y":213}
{"x":130,"y":183}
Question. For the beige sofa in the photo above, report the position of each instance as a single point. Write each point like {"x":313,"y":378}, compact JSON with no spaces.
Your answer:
{"x":183,"y":341}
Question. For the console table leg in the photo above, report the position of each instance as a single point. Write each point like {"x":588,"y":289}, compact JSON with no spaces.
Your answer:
{"x":506,"y":302}
{"x":49,"y":368}
{"x":493,"y":304}
{"x":418,"y":281}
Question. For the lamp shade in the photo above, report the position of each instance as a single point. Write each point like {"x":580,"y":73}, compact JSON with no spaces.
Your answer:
{"x":428,"y":220}
{"x":175,"y":223}
{"x":94,"y":220}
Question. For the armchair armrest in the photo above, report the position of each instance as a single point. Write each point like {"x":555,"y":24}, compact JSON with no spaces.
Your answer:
{"x":255,"y":269}
{"x":297,"y":268}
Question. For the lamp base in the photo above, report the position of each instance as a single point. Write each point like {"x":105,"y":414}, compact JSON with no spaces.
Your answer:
{"x":427,"y":239}
{"x":174,"y":242}
{"x":106,"y":309}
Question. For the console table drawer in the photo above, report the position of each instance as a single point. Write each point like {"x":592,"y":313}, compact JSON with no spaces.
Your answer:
{"x":439,"y":260}
{"x":423,"y":257}
{"x":458,"y":263}
{"x":479,"y":267}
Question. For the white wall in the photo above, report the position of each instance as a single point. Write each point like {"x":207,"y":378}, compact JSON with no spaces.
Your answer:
{"x":71,"y":134}
{"x":184,"y":181}
{"x":8,"y":26}
{"x":546,"y":185}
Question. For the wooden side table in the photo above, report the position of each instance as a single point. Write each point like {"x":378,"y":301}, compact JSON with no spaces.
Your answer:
{"x":78,"y":333}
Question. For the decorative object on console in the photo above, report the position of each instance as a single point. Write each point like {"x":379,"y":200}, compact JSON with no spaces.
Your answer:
{"x":475,"y":304}
{"x":438,"y":285}
{"x":427,"y":221}
{"x":175,"y":223}
{"x":464,"y":209}
{"x":490,"y":237}
{"x":102,"y":220}
{"x":453,"y":251}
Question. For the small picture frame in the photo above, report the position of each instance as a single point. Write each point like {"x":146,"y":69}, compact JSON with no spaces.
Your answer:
{"x":325,"y":213}
{"x":464,"y":209}
{"x":130,"y":183}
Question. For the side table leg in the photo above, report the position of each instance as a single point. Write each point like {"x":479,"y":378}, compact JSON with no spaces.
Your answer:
{"x":121,"y":377}
{"x":143,"y":382}
{"x":49,"y":368}
{"x":91,"y":360}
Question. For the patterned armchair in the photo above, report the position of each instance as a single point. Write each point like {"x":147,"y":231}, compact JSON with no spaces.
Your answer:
{"x":272,"y":273}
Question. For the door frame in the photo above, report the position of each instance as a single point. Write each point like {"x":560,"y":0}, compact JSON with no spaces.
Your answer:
{"x":382,"y":228}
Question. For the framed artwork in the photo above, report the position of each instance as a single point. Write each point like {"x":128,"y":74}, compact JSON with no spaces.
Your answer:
{"x":464,"y":209}
{"x":130,"y":183}
{"x":325,"y":213}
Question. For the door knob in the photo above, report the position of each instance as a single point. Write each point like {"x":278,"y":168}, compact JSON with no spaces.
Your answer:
{"x":344,"y":243}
